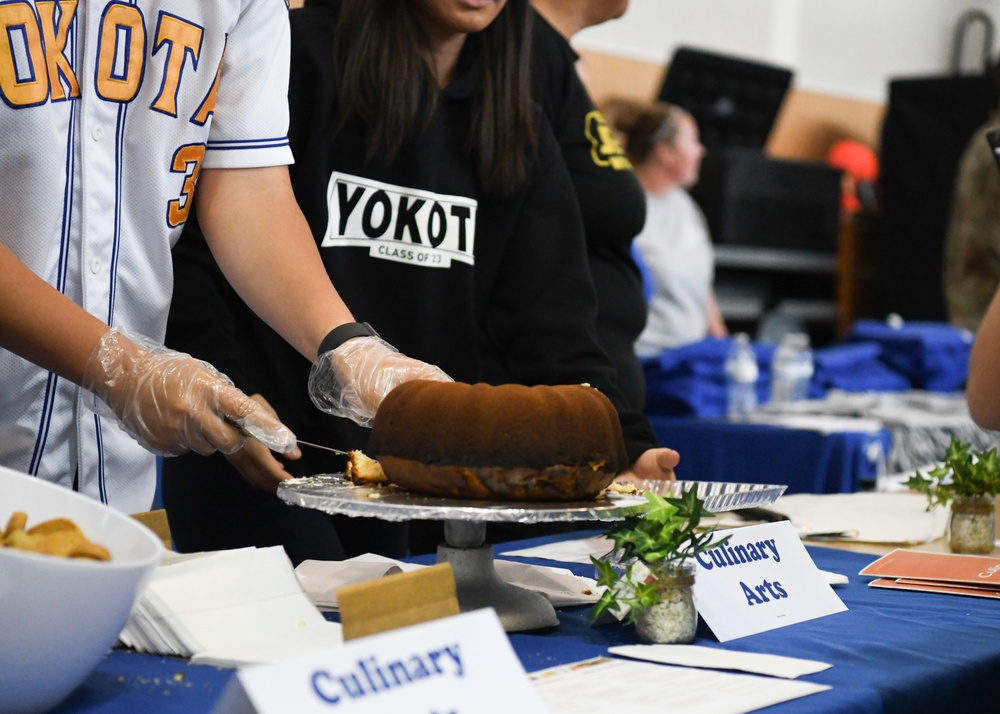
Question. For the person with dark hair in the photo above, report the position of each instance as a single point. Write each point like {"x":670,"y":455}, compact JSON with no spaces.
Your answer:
{"x":611,"y":200}
{"x":441,"y":206}
{"x":662,"y":142}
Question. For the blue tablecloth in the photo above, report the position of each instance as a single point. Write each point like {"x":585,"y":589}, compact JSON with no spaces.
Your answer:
{"x":891,"y":651}
{"x":807,"y":461}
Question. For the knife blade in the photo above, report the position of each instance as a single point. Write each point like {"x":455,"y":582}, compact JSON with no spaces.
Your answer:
{"x":247,"y":434}
{"x":321,"y":447}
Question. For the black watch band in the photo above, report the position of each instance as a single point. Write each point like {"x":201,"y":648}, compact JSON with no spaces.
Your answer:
{"x":340,"y":335}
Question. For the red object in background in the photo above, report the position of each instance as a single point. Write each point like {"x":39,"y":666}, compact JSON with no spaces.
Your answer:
{"x":860,"y":167}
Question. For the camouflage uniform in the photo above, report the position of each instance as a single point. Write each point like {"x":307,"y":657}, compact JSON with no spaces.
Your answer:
{"x":972,"y":245}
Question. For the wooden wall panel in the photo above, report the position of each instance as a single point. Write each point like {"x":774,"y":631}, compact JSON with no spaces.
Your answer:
{"x":808,"y":124}
{"x":610,"y":75}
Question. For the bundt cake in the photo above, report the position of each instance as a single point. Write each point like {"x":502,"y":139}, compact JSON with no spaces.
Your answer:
{"x":508,"y":442}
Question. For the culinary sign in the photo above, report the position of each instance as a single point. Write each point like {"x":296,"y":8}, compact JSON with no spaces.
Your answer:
{"x":456,"y":665}
{"x":761,"y":579}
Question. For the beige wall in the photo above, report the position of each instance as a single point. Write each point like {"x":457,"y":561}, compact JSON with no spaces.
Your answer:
{"x":808,"y":124}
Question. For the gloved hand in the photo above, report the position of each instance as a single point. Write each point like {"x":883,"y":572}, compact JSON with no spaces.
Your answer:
{"x":255,"y":462}
{"x":353,"y":379}
{"x":171,"y":402}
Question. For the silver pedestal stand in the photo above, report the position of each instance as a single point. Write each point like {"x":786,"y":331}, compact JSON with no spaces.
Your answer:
{"x":478,"y":585}
{"x":465,"y":546}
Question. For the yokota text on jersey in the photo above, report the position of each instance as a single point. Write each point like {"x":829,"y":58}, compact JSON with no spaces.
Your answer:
{"x":402,"y":224}
{"x":34,"y":67}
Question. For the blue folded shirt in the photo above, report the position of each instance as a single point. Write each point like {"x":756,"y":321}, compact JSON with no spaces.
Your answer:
{"x":855,"y":367}
{"x":932,"y":355}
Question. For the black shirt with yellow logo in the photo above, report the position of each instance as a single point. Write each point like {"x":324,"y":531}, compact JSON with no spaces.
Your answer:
{"x":611,"y":201}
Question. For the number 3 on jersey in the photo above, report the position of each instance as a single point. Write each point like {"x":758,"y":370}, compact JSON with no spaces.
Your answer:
{"x":187,"y":161}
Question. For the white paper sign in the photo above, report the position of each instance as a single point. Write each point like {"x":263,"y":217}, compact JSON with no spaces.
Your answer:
{"x":761,"y":579}
{"x":456,"y":665}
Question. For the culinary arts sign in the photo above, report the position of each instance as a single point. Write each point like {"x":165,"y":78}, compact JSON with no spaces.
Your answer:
{"x":456,"y":665}
{"x":760,"y":579}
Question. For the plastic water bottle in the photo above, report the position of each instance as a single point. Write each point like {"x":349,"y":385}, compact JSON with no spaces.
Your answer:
{"x":792,"y":368}
{"x":741,"y":377}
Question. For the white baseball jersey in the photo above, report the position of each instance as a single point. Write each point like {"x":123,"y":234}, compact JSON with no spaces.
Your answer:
{"x":109,"y":111}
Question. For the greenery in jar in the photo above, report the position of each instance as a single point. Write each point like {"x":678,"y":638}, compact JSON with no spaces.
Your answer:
{"x":660,"y":538}
{"x":964,"y":473}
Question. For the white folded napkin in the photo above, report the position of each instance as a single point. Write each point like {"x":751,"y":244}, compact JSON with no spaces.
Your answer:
{"x":823,"y":424}
{"x":568,"y":551}
{"x":559,"y":585}
{"x":228,"y":608}
{"x":320,"y":578}
{"x":865,"y":516}
{"x":834,"y":579}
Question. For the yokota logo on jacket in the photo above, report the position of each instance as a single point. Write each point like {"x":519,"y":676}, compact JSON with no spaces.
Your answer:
{"x":398,"y":223}
{"x":604,"y":147}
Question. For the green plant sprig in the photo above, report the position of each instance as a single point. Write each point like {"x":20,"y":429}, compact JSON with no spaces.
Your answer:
{"x":963,"y":473}
{"x":663,"y":535}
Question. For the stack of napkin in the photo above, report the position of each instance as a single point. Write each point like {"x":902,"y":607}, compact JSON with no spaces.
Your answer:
{"x":228,"y":608}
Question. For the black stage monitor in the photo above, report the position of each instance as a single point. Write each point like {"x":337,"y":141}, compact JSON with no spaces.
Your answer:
{"x":751,"y":199}
{"x":734,"y":101}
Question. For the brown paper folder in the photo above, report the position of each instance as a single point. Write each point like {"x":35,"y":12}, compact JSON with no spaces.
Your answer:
{"x":978,"y":570}
{"x":934,"y":586}
{"x":397,"y":601}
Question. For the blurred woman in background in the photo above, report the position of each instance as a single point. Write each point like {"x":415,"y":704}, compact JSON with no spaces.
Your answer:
{"x":662,"y":142}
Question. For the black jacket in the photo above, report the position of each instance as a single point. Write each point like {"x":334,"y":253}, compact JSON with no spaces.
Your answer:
{"x":612,"y":203}
{"x":490,"y":288}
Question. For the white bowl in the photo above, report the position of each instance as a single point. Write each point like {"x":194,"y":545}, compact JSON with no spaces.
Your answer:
{"x":59,"y":616}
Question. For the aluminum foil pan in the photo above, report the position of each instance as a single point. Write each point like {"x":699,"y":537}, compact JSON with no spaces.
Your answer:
{"x":719,"y":496}
{"x":332,"y":493}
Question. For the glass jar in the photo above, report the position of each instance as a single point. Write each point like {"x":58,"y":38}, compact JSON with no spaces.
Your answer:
{"x":972,"y":527}
{"x":674,"y":619}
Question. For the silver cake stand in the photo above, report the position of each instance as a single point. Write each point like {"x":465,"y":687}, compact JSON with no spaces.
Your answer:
{"x":465,"y":547}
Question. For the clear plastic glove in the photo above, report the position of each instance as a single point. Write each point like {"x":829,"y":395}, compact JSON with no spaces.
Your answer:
{"x":352,"y":380}
{"x":171,"y":402}
{"x":255,"y":462}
